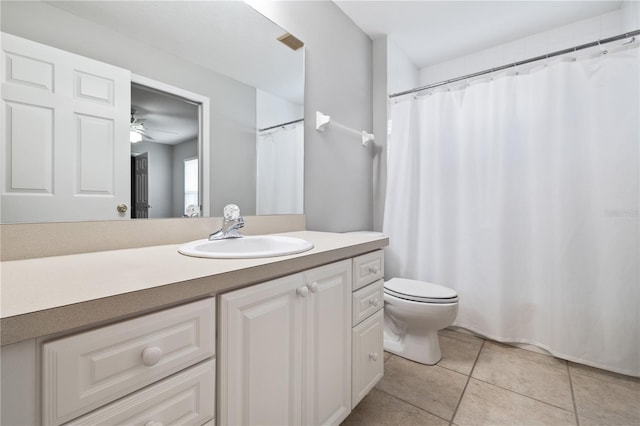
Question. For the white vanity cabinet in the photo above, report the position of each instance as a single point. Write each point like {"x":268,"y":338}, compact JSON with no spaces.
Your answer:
{"x":367,"y":320}
{"x":286,"y":350}
{"x":155,"y":369}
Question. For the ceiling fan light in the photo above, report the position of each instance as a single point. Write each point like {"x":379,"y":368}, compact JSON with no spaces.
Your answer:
{"x":134,"y":137}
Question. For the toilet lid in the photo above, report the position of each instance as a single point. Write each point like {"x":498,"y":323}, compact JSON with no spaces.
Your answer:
{"x":420,"y":291}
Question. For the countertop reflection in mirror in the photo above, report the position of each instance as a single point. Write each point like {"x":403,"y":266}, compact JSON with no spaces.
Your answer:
{"x":223,"y":50}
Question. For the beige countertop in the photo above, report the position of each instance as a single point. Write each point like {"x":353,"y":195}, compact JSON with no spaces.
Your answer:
{"x":50,"y":295}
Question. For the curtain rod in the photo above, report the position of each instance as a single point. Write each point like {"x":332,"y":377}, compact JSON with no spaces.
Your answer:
{"x":526,"y":61}
{"x":281,"y":125}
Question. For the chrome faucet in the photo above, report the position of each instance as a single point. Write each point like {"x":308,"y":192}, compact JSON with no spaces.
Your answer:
{"x":232,"y":222}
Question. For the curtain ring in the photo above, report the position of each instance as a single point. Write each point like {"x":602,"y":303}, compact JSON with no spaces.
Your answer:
{"x":602,"y":51}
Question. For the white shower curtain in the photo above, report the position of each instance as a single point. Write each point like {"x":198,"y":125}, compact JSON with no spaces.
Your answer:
{"x":522,"y":194}
{"x":280,"y":170}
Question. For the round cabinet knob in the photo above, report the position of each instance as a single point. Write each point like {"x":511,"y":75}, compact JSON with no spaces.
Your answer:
{"x":122,"y":208}
{"x":151,"y":355}
{"x":152,"y":423}
{"x":373,"y":356}
{"x":313,"y":287}
{"x":374,"y":269}
{"x":302,"y":291}
{"x":374,"y":302}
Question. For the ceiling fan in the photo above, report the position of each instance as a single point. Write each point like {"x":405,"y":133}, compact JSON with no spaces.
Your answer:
{"x":136,"y":129}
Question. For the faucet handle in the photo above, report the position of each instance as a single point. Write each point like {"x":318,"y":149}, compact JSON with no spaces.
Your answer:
{"x":231,"y":212}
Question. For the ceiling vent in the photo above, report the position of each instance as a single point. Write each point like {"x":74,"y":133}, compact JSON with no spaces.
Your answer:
{"x":290,"y":41}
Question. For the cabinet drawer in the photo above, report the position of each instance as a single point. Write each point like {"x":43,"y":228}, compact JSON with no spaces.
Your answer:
{"x":368,"y":268}
{"x":368,"y":356}
{"x":87,"y":370}
{"x":367,"y":300}
{"x":188,"y":398}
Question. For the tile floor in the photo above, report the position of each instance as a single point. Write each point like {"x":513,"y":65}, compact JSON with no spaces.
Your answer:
{"x":481,"y":382}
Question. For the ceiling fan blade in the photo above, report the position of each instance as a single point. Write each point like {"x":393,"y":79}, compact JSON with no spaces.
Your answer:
{"x":161,"y":131}
{"x":142,"y":131}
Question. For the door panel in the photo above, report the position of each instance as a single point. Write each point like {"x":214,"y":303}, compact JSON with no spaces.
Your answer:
{"x":59,"y":109}
{"x":140,"y":187}
{"x":96,"y":149}
{"x":22,"y":70}
{"x":29,"y":160}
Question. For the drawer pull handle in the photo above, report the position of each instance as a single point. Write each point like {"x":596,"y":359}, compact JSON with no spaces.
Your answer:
{"x":374,"y":302}
{"x":303,"y":291}
{"x":313,"y":287}
{"x":151,"y":355}
{"x":152,"y":423}
{"x":374,"y":269}
{"x":373,"y":356}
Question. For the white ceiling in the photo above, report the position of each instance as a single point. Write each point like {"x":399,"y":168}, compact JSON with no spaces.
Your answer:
{"x":430,"y":32}
{"x":167,"y":119}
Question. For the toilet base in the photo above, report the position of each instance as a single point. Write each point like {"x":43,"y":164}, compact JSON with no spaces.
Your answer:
{"x":424,"y":349}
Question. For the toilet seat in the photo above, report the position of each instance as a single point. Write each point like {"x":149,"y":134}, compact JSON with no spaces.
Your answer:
{"x":419,"y":291}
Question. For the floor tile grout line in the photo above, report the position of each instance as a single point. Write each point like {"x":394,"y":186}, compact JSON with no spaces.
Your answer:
{"x":453,"y":371}
{"x":453,"y":416}
{"x":413,"y":405}
{"x":573,"y":395}
{"x":522,"y":394}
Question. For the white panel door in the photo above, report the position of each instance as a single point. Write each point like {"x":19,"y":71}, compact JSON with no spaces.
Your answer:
{"x":65,"y":145}
{"x":328,"y":344}
{"x":261,"y":354}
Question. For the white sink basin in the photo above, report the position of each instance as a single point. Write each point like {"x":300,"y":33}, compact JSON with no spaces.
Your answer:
{"x":247,"y":247}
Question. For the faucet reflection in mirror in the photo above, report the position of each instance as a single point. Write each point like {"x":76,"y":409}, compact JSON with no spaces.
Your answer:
{"x":232,"y":222}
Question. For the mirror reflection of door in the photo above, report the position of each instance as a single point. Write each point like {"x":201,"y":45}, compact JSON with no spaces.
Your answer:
{"x":164,"y":132}
{"x":140,"y":186}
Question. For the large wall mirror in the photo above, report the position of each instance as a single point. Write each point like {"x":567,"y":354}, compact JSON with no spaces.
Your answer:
{"x":187,"y":66}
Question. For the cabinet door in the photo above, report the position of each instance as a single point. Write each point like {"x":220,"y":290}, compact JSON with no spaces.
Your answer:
{"x":328,"y":344}
{"x":261,"y":354}
{"x":368,"y":356}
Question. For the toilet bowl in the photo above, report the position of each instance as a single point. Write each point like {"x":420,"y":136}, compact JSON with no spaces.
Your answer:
{"x":414,"y":311}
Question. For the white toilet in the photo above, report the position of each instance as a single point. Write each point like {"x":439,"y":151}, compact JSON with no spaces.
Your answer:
{"x":414,"y":311}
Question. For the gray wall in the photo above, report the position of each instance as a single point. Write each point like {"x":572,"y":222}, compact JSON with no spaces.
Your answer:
{"x":380,"y":112}
{"x":392,"y":72}
{"x":338,"y":82}
{"x":233,"y":114}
